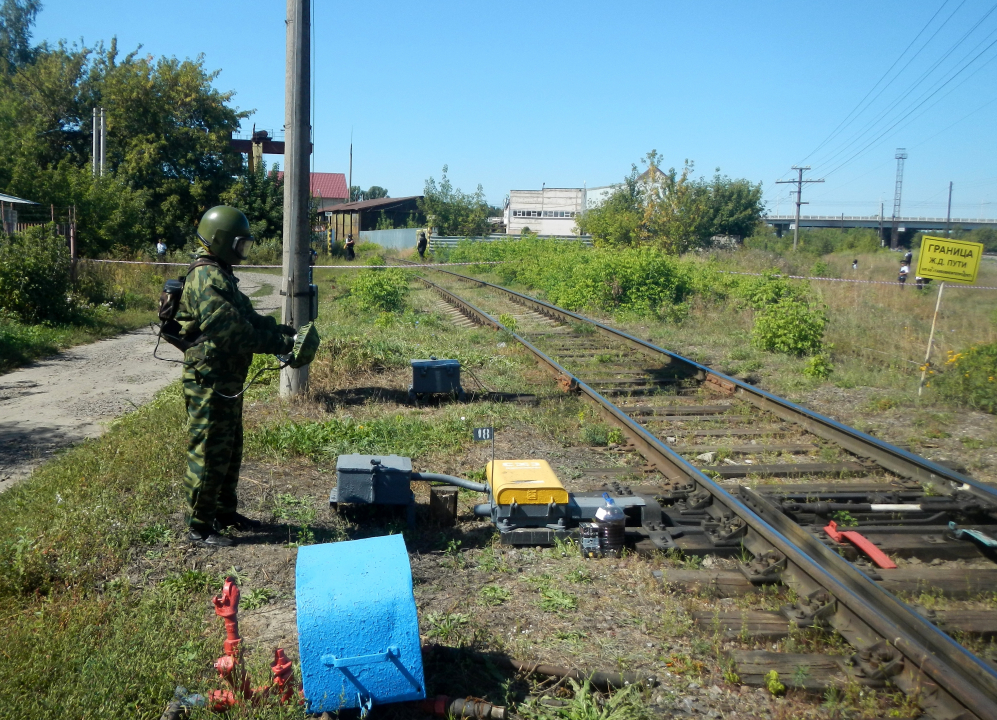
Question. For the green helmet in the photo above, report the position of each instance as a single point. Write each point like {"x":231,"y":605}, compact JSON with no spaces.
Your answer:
{"x":224,"y":232}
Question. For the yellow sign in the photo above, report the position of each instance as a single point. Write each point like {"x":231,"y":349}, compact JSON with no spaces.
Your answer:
{"x":949,"y":260}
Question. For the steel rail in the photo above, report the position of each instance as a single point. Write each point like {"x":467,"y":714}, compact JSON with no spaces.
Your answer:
{"x":947,"y":679}
{"x":890,"y":457}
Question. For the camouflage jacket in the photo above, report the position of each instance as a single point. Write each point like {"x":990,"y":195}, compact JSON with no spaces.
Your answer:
{"x":212,"y":306}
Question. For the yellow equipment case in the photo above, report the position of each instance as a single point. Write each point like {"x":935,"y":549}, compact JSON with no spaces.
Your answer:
{"x":525,"y":482}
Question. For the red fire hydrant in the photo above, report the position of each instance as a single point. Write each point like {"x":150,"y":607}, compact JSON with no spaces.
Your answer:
{"x":230,"y":667}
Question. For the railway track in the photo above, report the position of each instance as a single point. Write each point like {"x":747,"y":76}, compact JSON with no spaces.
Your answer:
{"x":749,"y":475}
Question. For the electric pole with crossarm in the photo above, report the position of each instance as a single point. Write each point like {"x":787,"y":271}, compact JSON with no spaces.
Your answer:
{"x":799,"y":197}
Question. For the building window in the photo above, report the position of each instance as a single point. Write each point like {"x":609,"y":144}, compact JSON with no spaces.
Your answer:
{"x":544,"y":213}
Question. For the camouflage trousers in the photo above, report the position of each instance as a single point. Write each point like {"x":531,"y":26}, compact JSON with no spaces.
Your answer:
{"x":214,"y":450}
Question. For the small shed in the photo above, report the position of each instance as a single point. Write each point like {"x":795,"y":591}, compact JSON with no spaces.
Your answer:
{"x":9,"y":221}
{"x":352,"y":218}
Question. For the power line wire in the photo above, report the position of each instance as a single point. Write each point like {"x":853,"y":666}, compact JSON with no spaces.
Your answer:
{"x":849,"y":118}
{"x":896,"y":105}
{"x":914,"y":109}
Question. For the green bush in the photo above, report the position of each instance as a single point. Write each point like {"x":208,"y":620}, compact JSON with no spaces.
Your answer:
{"x":632,"y":281}
{"x":969,"y":377}
{"x":790,"y":326}
{"x":818,"y":366}
{"x":380,"y":290}
{"x":35,"y":276}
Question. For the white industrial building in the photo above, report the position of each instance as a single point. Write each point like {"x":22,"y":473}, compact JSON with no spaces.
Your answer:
{"x":550,"y":211}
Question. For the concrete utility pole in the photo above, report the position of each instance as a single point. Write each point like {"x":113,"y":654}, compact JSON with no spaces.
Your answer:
{"x":948,"y":215}
{"x":103,"y":140}
{"x":95,"y":145}
{"x":882,"y":239}
{"x":799,"y":198}
{"x":297,"y":131}
{"x":895,"y":232}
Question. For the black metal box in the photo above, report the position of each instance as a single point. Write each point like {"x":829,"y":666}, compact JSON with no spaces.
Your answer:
{"x":436,"y":376}
{"x":373,"y":479}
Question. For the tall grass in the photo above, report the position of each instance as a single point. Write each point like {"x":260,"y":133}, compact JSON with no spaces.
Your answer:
{"x":105,"y":300}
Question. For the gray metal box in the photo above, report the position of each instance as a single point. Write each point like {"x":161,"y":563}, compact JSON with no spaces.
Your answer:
{"x":373,"y":479}
{"x":436,"y":376}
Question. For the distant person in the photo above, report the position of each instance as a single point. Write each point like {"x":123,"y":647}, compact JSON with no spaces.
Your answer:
{"x":855,"y":264}
{"x":908,"y":257}
{"x":902,"y":278}
{"x":421,"y":243}
{"x":350,"y":252}
{"x":161,"y":250}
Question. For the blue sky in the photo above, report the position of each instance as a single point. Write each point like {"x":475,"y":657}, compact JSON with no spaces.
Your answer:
{"x":515,"y":94}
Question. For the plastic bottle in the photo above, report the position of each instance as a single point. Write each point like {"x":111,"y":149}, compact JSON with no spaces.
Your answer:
{"x":612,"y":522}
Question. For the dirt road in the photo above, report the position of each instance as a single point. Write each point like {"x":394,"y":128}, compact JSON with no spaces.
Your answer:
{"x":58,"y":401}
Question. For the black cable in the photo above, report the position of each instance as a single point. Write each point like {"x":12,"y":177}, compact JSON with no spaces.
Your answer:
{"x":186,"y":363}
{"x":250,"y":383}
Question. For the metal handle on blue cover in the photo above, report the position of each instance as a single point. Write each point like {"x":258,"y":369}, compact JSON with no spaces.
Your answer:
{"x":385,"y":656}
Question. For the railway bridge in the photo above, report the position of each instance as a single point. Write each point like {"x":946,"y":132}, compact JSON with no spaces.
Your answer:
{"x":907,"y":225}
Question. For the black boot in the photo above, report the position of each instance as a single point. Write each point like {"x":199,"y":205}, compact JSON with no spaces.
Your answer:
{"x":238,"y":521}
{"x":209,"y":538}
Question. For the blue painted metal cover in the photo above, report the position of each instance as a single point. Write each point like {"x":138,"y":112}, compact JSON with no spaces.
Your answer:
{"x":358,"y":629}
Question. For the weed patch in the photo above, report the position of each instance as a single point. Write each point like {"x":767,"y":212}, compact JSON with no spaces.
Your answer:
{"x":793,"y":327}
{"x":588,"y":704}
{"x":493,"y":595}
{"x":380,"y":290}
{"x":554,"y":600}
{"x":408,"y":435}
{"x":970,"y":377}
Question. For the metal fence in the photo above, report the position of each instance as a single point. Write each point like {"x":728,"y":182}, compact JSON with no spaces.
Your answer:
{"x":400,"y":238}
{"x":449,"y":242}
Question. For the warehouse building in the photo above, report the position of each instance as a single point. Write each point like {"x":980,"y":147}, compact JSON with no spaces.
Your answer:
{"x":351,"y":218}
{"x":548,"y":211}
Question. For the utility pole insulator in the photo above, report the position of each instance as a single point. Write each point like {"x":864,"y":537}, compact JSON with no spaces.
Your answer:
{"x":297,"y":147}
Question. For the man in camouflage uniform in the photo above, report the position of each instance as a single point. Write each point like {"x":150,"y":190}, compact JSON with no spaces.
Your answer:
{"x":220,"y":319}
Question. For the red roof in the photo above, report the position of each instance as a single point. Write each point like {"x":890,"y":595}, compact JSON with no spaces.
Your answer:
{"x":326,"y":185}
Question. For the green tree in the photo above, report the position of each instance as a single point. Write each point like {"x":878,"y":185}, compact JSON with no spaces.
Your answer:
{"x":260,"y":195}
{"x":734,"y":207}
{"x":452,"y":211}
{"x":617,"y":221}
{"x":673,"y":210}
{"x":168,"y":156}
{"x":675,"y":213}
{"x":16,"y":19}
{"x":373,"y":193}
